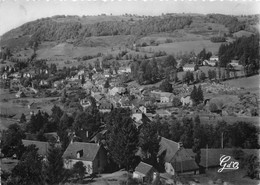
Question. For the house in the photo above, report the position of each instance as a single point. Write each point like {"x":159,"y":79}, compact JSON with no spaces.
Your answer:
{"x":85,"y":103}
{"x":33,"y":105}
{"x":177,"y":159}
{"x":189,"y":67}
{"x":20,"y":94}
{"x":125,"y":103}
{"x":117,"y":90}
{"x":123,"y":70}
{"x":166,"y":97}
{"x":163,"y":113}
{"x":16,"y":75}
{"x":56,"y":84}
{"x":5,"y":76}
{"x":92,"y":155}
{"x":210,"y":62}
{"x":214,"y":58}
{"x":105,"y":106}
{"x":87,"y":85}
{"x":163,"y":97}
{"x":43,"y":147}
{"x":144,"y":172}
{"x":234,"y":63}
{"x":44,"y":83}
{"x":186,"y":100}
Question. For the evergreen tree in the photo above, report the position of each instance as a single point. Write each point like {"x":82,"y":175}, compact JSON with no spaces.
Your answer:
{"x":194,"y":94}
{"x":106,"y":85}
{"x":23,"y":118}
{"x":166,"y":86}
{"x":83,"y":80}
{"x":187,"y":136}
{"x":53,"y":170}
{"x":200,"y":94}
{"x":202,"y":76}
{"x":196,"y":150}
{"x":11,"y":141}
{"x":28,"y":171}
{"x":123,"y":141}
{"x":149,"y":142}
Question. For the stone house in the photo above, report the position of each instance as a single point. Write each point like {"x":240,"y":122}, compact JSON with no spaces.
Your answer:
{"x":92,"y":155}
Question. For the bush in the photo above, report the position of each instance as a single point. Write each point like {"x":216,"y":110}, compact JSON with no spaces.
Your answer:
{"x":213,"y":107}
{"x":176,"y":102}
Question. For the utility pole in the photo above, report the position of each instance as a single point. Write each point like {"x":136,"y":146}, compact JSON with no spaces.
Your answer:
{"x":207,"y":157}
{"x":222,"y":140}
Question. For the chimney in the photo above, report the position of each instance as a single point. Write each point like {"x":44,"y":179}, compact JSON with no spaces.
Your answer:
{"x":180,"y":145}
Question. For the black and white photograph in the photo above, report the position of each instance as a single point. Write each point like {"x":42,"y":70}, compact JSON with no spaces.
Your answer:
{"x":129,"y":92}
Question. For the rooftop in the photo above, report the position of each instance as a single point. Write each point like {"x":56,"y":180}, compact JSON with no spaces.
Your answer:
{"x":89,"y":150}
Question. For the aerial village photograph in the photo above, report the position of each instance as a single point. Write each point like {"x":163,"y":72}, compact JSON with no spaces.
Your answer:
{"x":129,"y":92}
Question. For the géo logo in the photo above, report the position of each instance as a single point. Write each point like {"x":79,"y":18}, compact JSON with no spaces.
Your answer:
{"x":227,"y":164}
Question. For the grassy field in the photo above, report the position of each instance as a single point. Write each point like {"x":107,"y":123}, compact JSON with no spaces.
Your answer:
{"x":10,"y":106}
{"x":232,"y":177}
{"x":251,"y":82}
{"x":186,"y":46}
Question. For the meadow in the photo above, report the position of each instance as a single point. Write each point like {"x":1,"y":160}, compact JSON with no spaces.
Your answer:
{"x":185,"y":47}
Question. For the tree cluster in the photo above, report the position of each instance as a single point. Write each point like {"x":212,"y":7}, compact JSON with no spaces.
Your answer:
{"x":245,"y":49}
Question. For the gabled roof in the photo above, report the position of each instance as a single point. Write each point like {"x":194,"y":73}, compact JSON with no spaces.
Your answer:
{"x":42,"y":146}
{"x":189,"y":65}
{"x":105,"y":105}
{"x":143,"y":168}
{"x":171,"y":147}
{"x":90,"y":151}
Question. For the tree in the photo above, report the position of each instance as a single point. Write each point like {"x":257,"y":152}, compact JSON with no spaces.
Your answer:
{"x":196,"y":150}
{"x":53,"y":170}
{"x":166,"y":86}
{"x":79,"y":170}
{"x":202,"y":76}
{"x":83,"y":80}
{"x":251,"y":166}
{"x":22,"y":118}
{"x":213,"y":107}
{"x":28,"y":171}
{"x":176,"y":102}
{"x":194,"y":94}
{"x":187,"y":136}
{"x":106,"y":85}
{"x":12,"y":141}
{"x":123,"y":140}
{"x":200,"y":95}
{"x":149,"y":141}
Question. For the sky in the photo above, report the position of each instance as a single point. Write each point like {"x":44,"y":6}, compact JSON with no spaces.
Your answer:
{"x":14,"y":13}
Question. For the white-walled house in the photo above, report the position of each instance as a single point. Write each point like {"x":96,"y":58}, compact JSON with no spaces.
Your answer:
{"x":144,"y":172}
{"x":186,"y":100}
{"x":92,"y":155}
{"x":189,"y":67}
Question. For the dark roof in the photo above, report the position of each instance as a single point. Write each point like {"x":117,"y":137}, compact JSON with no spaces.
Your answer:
{"x":105,"y":105}
{"x":170,"y":146}
{"x":183,"y":161}
{"x":186,"y":165}
{"x":143,"y":168}
{"x":180,"y":158}
{"x":42,"y":146}
{"x":90,"y":151}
